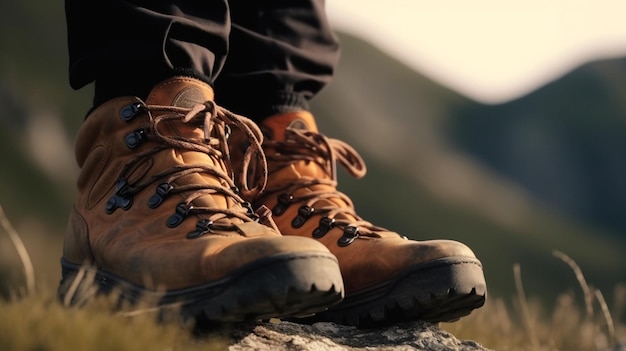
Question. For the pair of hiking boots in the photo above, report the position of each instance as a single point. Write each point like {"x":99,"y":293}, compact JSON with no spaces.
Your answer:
{"x":184,"y":202}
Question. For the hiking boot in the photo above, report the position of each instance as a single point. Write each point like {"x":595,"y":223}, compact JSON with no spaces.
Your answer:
{"x":158,"y":216}
{"x":387,"y":277}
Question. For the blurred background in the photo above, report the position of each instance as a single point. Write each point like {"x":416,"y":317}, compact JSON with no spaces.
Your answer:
{"x":501,"y":125}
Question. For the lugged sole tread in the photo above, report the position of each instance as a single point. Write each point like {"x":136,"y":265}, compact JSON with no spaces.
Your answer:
{"x":442,"y":291}
{"x":283,"y":286}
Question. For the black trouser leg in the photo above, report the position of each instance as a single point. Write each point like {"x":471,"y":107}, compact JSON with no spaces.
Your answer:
{"x":281,"y":54}
{"x":127,"y":47}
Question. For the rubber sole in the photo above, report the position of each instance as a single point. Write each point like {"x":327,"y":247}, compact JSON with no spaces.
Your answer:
{"x":443,"y":290}
{"x":284,"y":285}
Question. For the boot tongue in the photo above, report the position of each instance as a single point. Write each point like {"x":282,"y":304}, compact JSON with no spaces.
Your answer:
{"x":181,"y":92}
{"x":187,"y":92}
{"x":274,"y":127}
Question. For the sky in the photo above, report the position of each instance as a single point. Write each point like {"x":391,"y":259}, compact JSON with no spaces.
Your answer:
{"x":492,"y":51}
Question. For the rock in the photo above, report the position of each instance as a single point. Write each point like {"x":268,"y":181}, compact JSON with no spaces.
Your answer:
{"x":287,"y":336}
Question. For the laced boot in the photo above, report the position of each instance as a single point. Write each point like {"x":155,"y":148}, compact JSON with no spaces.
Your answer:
{"x":387,"y":277}
{"x":158,"y":216}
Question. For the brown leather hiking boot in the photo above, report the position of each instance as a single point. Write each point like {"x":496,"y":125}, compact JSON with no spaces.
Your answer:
{"x":158,"y":215}
{"x":387,"y":277}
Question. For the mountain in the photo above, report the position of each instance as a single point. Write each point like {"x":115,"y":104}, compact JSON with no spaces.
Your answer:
{"x":514,"y":181}
{"x":565,"y":143}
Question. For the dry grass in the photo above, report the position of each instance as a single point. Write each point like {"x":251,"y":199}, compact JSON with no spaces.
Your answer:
{"x":571,"y":325}
{"x":29,"y":271}
{"x":40,"y":322}
{"x":34,"y":319}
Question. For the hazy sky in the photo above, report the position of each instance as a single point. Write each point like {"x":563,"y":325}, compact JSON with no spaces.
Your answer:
{"x":489,"y":50}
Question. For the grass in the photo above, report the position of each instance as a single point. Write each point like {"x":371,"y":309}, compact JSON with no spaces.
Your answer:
{"x":40,"y":322}
{"x":577,"y":322}
{"x":32,"y":318}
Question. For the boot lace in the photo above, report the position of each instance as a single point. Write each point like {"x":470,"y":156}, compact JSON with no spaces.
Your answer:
{"x":308,"y":146}
{"x":215,"y":123}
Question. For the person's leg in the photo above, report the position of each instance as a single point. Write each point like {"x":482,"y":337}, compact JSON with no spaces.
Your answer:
{"x":282,"y":53}
{"x":127,"y":47}
{"x":387,"y":277}
{"x":157,"y":213}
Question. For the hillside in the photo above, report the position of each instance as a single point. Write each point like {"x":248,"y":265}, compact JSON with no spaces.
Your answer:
{"x":429,"y":177}
{"x":565,"y":143}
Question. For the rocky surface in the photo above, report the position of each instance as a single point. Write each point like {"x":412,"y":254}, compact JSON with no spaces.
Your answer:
{"x":287,"y":336}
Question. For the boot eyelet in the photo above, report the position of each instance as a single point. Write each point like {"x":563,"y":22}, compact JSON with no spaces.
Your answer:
{"x":227,"y":131}
{"x":161,"y":191}
{"x":116,"y":202}
{"x":304,"y":212}
{"x":326,"y":224}
{"x":182,"y":210}
{"x":129,"y":112}
{"x":120,"y":199}
{"x":202,"y":227}
{"x":284,"y":200}
{"x":133,"y":139}
{"x":250,"y":211}
{"x":248,"y":207}
{"x":350,"y":233}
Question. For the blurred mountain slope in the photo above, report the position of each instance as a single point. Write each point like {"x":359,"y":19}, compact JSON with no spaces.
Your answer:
{"x":429,"y":179}
{"x":565,"y":143}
